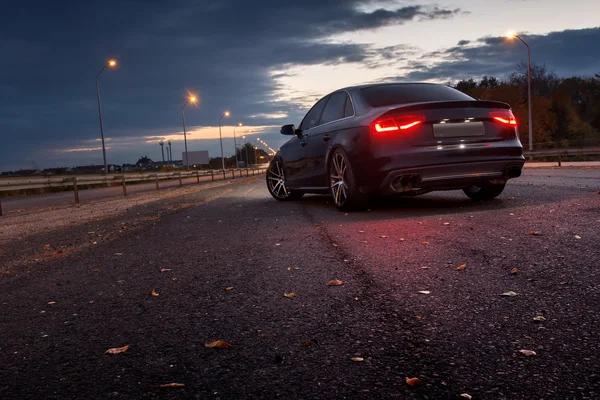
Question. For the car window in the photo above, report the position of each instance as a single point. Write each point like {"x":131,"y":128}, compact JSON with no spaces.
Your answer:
{"x":387,"y":95}
{"x":312,"y":117}
{"x":349,"y":110}
{"x":334,"y":109}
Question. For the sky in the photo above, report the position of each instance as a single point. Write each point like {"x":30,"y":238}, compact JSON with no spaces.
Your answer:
{"x":264,"y":62}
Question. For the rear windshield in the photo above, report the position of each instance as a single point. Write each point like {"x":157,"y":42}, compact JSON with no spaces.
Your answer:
{"x":387,"y":95}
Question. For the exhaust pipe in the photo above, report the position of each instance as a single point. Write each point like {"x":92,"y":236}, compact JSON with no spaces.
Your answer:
{"x":405,"y":183}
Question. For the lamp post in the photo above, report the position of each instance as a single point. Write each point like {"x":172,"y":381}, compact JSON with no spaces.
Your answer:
{"x":235,"y":143}
{"x":162,"y":150}
{"x":246,"y":147}
{"x":170,"y":152}
{"x":512,"y":35}
{"x":193,"y":100}
{"x":110,"y":63}
{"x":225,"y":114}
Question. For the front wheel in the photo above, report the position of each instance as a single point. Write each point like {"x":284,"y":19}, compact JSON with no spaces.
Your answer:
{"x":342,"y":183}
{"x":486,"y":192}
{"x":277,"y":185}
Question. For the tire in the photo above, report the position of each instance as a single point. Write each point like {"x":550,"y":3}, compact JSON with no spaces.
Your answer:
{"x":342,"y":183}
{"x":486,"y":192}
{"x":276,"y":182}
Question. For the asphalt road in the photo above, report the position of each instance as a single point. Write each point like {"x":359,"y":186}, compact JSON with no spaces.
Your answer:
{"x":405,"y":307}
{"x":15,"y":203}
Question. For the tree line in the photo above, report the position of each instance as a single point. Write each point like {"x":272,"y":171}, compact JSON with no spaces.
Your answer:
{"x":565,"y":111}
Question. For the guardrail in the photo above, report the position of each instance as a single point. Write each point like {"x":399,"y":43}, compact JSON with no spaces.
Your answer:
{"x":569,"y":151}
{"x":74,"y":181}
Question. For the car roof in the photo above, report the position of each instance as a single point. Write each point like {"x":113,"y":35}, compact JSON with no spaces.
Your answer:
{"x":370,"y":85}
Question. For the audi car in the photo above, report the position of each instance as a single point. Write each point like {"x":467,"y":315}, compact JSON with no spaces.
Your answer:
{"x":397,"y":139}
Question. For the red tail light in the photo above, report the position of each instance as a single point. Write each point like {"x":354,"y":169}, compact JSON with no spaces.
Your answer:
{"x":505,"y":117}
{"x":403,"y":122}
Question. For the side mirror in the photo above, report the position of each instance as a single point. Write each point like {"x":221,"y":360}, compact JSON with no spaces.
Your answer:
{"x":288,"y":130}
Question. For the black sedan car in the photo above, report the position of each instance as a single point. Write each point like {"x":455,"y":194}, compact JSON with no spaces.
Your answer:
{"x":397,"y":138}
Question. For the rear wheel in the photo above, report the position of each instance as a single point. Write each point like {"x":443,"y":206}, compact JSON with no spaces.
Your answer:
{"x":486,"y":192}
{"x":277,"y":185}
{"x":343,"y":185}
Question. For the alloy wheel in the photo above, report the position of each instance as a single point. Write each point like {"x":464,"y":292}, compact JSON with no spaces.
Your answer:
{"x":338,"y":179}
{"x":276,"y":180}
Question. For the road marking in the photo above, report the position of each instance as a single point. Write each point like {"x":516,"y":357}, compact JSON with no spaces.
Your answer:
{"x":248,"y":191}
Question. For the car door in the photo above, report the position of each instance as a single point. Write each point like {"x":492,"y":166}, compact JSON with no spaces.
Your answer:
{"x":320,"y":139}
{"x":295,"y":159}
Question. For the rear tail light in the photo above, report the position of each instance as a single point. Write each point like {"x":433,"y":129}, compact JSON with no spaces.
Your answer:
{"x":400,"y":123}
{"x":504,"y":117}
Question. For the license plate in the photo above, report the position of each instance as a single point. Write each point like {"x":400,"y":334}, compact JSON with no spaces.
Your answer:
{"x":458,"y":129}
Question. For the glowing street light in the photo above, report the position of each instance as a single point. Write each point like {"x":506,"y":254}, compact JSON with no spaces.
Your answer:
{"x":110,"y":63}
{"x":225,"y":114}
{"x":511,"y":36}
{"x":235,"y":143}
{"x":191,"y":99}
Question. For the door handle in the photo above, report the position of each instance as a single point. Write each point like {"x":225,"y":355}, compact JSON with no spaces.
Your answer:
{"x":326,"y":138}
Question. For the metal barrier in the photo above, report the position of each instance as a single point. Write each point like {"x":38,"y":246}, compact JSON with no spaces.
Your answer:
{"x":570,"y":151}
{"x":9,"y":184}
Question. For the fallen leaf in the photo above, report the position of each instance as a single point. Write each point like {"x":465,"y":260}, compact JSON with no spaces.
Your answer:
{"x":539,"y":318}
{"x":97,"y":270}
{"x":514,"y":271}
{"x":466,"y":396}
{"x":4,"y":273}
{"x":412,"y":381}
{"x":446,"y":223}
{"x":51,"y":302}
{"x":94,"y":243}
{"x":577,"y":237}
{"x":289,"y":268}
{"x":261,"y":336}
{"x":290,"y":295}
{"x":335,"y":282}
{"x":164,"y":269}
{"x":461,"y":267}
{"x":356,"y":298}
{"x":361,"y":231}
{"x":357,"y":359}
{"x":334,"y":245}
{"x":510,"y":293}
{"x":91,"y":301}
{"x":424,"y":242}
{"x":47,"y":247}
{"x":424,"y":291}
{"x":174,"y":279}
{"x":533,"y":233}
{"x":417,"y":317}
{"x":382,"y":236}
{"x":154,"y":293}
{"x":229,"y":288}
{"x":401,"y":239}
{"x":218,"y":344}
{"x":528,"y":353}
{"x":172,"y":385}
{"x":277,"y":244}
{"x":420,"y":223}
{"x":117,"y":350}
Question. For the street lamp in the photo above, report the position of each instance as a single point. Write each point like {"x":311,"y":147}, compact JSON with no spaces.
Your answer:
{"x":110,"y":63}
{"x":191,"y":99}
{"x":225,"y":114}
{"x":235,"y":143}
{"x":512,"y":35}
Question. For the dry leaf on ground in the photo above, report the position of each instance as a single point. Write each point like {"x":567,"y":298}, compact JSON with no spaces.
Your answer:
{"x":229,"y":288}
{"x":334,"y":245}
{"x":218,"y":344}
{"x":289,"y":295}
{"x":514,"y":271}
{"x":51,"y":302}
{"x":510,"y":293}
{"x":412,"y":381}
{"x":424,"y":242}
{"x":172,"y":385}
{"x":533,"y":233}
{"x":424,"y":291}
{"x":401,"y":239}
{"x":577,"y":237}
{"x":461,"y":267}
{"x":446,"y":223}
{"x":117,"y":350}
{"x":528,"y":353}
{"x":383,"y":236}
{"x":154,"y":293}
{"x":357,"y":359}
{"x":539,"y":318}
{"x":164,"y":269}
{"x":466,"y":396}
{"x":335,"y":282}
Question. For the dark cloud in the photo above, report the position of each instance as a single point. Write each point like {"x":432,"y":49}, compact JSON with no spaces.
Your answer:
{"x":226,"y":50}
{"x":568,"y":53}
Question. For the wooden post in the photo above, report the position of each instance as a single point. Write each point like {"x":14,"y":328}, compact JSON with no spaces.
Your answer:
{"x":233,"y":173}
{"x":198,"y":176}
{"x":75,"y":190}
{"x":247,"y":172}
{"x":180,"y":182}
{"x":559,"y":161}
{"x":224,"y":175}
{"x":124,"y":185}
{"x":157,"y":188}
{"x":0,"y":207}
{"x":212,"y":175}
